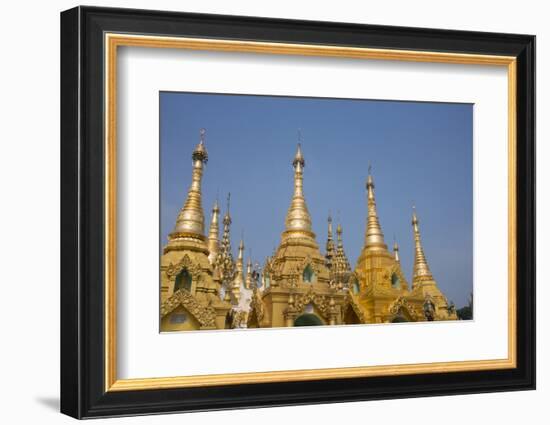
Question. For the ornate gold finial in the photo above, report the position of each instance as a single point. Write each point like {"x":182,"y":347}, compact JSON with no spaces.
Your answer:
{"x":200,"y":152}
{"x":241,"y":250}
{"x":227,"y":217}
{"x":238,"y":281}
{"x":329,"y":256}
{"x":225,"y":266}
{"x":421,"y":270}
{"x":213,"y":234}
{"x":298,"y":220}
{"x":395,"y":250}
{"x":299,"y":157}
{"x":374,"y":238}
{"x":248,"y":280}
{"x":341,"y":270}
{"x":190,"y":220}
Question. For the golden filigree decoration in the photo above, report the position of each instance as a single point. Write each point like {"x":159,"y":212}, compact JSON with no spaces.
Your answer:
{"x":185,"y":263}
{"x":297,"y":275}
{"x":320,"y":301}
{"x":402,"y":303}
{"x":205,"y":315}
{"x":257,"y":305}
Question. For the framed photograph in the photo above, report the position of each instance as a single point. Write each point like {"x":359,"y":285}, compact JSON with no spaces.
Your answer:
{"x":261,"y":212}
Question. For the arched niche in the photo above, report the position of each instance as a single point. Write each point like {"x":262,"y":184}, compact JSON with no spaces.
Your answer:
{"x":395,"y":280}
{"x":183,"y":281}
{"x":308,"y":276}
{"x":401,"y":316}
{"x":308,"y":319}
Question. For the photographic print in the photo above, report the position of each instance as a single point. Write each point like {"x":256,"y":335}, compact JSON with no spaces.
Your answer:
{"x":340,"y":186}
{"x":288,"y":211}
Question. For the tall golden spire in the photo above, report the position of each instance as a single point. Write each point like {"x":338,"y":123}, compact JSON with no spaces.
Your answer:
{"x":421,"y":271}
{"x":395,"y":251}
{"x":239,"y":265}
{"x":298,"y":220}
{"x":225,"y":266}
{"x":213,"y":234}
{"x":238,"y":281}
{"x":329,"y":256}
{"x":374,"y":238}
{"x":248,"y":280}
{"x":341,"y":269}
{"x":190,"y":221}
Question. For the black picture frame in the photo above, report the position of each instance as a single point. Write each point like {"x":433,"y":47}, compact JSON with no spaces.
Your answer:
{"x":82,"y":212}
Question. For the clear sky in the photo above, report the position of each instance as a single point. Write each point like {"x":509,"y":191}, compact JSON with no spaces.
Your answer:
{"x":420,"y":152}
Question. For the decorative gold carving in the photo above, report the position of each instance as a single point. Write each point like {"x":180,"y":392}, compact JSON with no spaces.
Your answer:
{"x":257,"y":305}
{"x":297,"y":275}
{"x":310,"y":297}
{"x":205,"y":315}
{"x":341,"y":269}
{"x":187,"y":235}
{"x":185,"y":263}
{"x":225,"y":264}
{"x":402,"y":303}
{"x":239,"y":319}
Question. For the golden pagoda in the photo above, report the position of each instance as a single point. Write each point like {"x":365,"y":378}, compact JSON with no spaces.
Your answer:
{"x":189,"y":296}
{"x":436,"y":306}
{"x":204,"y":287}
{"x":297,"y":289}
{"x":381,"y":293}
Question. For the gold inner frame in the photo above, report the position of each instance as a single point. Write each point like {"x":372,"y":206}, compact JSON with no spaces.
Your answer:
{"x":113,"y":41}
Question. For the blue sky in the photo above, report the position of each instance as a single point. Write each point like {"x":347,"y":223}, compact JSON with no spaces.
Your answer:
{"x":420,"y":152}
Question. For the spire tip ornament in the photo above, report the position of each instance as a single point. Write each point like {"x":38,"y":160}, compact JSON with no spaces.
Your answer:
{"x":298,"y":220}
{"x":200,"y":153}
{"x":330,"y":249}
{"x":190,"y":219}
{"x":341,"y":270}
{"x":374,"y":238}
{"x":421,"y":270}
{"x":299,"y":157}
{"x":395,"y":250}
{"x":213,"y":234}
{"x":227,"y":216}
{"x":414,"y":216}
{"x":370,"y":181}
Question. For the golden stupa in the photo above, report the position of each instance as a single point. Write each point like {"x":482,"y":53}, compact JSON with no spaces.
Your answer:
{"x":203,"y":287}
